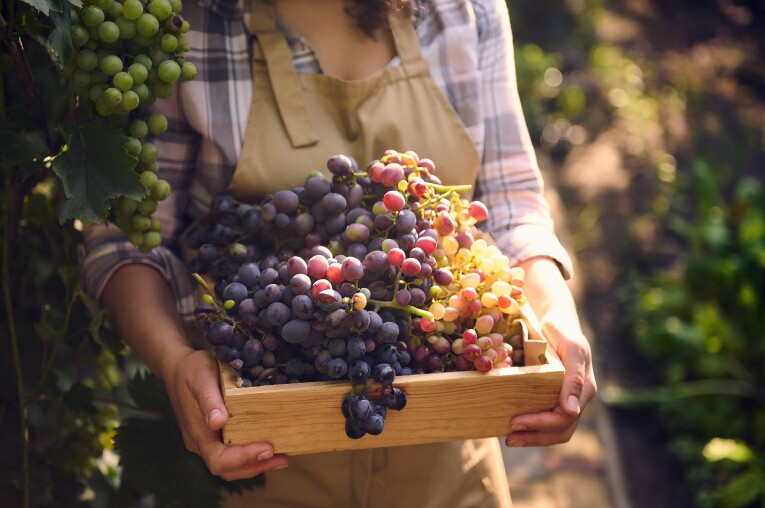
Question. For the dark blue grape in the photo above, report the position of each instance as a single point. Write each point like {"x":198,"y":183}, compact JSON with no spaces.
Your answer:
{"x":379,"y":408}
{"x":360,"y":408}
{"x":356,"y":347}
{"x":249,"y":274}
{"x":296,"y":331}
{"x":219,"y":333}
{"x":337,"y":347}
{"x":394,"y":399}
{"x":387,"y":353}
{"x":383,"y":373}
{"x":388,"y":333}
{"x":237,"y":341}
{"x":374,"y":424}
{"x":354,"y":429}
{"x":358,"y":371}
{"x":294,"y":368}
{"x":235,"y":291}
{"x":336,"y":368}
{"x":208,"y":252}
{"x":252,"y":352}
{"x":406,"y":220}
{"x":360,"y":321}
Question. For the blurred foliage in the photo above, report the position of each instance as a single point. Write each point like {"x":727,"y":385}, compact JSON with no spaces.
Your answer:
{"x":676,"y":89}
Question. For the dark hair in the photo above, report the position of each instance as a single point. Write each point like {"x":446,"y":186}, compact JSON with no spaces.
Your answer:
{"x":370,"y":15}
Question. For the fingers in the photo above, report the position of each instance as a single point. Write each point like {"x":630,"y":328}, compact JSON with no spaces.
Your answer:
{"x":205,"y":389}
{"x":237,"y":462}
{"x":576,"y":356}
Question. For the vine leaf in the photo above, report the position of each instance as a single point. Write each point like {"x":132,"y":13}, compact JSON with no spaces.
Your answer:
{"x":94,"y":170}
{"x":25,"y":149}
{"x":60,"y":39}
{"x":45,"y":6}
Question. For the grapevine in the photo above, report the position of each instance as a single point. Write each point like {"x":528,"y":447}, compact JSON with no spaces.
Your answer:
{"x":128,"y":54}
{"x":369,"y":275}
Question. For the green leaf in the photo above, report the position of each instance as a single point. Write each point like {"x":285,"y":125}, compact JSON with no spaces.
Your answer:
{"x":26,"y":149}
{"x":45,"y":6}
{"x":95,"y":170}
{"x":76,"y":3}
{"x":60,"y":39}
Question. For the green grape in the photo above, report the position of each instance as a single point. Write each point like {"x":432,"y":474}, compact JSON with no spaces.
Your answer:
{"x":80,"y":36}
{"x":108,"y":31}
{"x":130,"y":101}
{"x":142,"y":91}
{"x":122,"y":81}
{"x":86,"y":59}
{"x":162,"y":90}
{"x":103,"y":108}
{"x":111,"y":65}
{"x":147,"y":25}
{"x":126,"y":205}
{"x":148,"y":179}
{"x":136,"y":237}
{"x":156,"y":224}
{"x":153,"y":166}
{"x":160,"y":8}
{"x":81,"y":78}
{"x":132,"y":9}
{"x":157,"y":55}
{"x":183,"y":44}
{"x":148,"y":153}
{"x":92,"y":45}
{"x":168,"y":43}
{"x":127,"y":28}
{"x":185,"y":26}
{"x":176,"y":5}
{"x":151,"y":240}
{"x":188,"y":71}
{"x":173,"y":24}
{"x":133,"y":146}
{"x":96,"y":91}
{"x":152,"y":77}
{"x":93,"y":34}
{"x":92,"y":16}
{"x":144,"y":60}
{"x":169,"y":71}
{"x":98,"y":77}
{"x":139,"y":128}
{"x":157,"y":123}
{"x":161,"y":189}
{"x":138,"y":72}
{"x":74,"y":18}
{"x":141,"y":40}
{"x":115,"y":11}
{"x":147,"y":207}
{"x":140,"y":222}
{"x":105,"y":5}
{"x":111,"y":97}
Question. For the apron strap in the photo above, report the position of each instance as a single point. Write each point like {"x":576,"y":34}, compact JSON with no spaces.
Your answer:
{"x":404,"y":36}
{"x":284,"y":79}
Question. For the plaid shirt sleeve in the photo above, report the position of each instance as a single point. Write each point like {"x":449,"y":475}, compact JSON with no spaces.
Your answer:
{"x":105,"y":248}
{"x":510,"y":183}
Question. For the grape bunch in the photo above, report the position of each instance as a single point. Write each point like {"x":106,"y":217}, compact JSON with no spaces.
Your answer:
{"x":127,"y":54}
{"x":366,"y":275}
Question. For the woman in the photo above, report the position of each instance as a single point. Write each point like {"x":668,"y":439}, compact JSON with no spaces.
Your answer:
{"x":352,"y":77}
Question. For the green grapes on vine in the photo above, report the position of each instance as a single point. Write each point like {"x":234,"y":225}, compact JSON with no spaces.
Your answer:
{"x":128,"y":53}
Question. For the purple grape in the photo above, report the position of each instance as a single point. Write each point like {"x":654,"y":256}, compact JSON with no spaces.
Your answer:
{"x":360,"y":408}
{"x":358,"y":371}
{"x":374,"y":424}
{"x":273,"y":293}
{"x":417,"y":297}
{"x":278,"y":313}
{"x":286,"y":201}
{"x":252,"y":352}
{"x":356,"y":347}
{"x":340,"y":165}
{"x":336,"y":368}
{"x":219,"y":333}
{"x":302,"y":306}
{"x":383,"y":373}
{"x":406,"y":220}
{"x":334,"y":203}
{"x":394,"y":399}
{"x":388,"y":333}
{"x":235,"y":291}
{"x":360,"y":321}
{"x":296,"y":331}
{"x":376,"y":261}
{"x":354,"y":429}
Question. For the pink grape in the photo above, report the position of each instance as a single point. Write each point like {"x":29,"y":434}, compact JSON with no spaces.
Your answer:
{"x":478,"y":211}
{"x":465,"y":240}
{"x":483,"y":363}
{"x":484,"y":343}
{"x":392,"y":174}
{"x":319,"y":286}
{"x":411,"y":267}
{"x":470,"y":336}
{"x":394,"y":201}
{"x":388,"y":244}
{"x":335,"y":274}
{"x":375,"y":171}
{"x":444,"y":224}
{"x":427,"y":244}
{"x":443,"y":276}
{"x":317,"y":266}
{"x":484,"y":324}
{"x":396,"y":256}
{"x":428,"y":165}
{"x":471,"y":352}
{"x":352,"y":269}
{"x":427,"y":325}
{"x":417,"y":187}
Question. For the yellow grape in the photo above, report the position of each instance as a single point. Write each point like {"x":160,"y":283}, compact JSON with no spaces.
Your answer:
{"x":437,"y":309}
{"x":489,"y":300}
{"x":501,"y":288}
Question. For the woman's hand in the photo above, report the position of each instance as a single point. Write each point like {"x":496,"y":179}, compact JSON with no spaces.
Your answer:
{"x":143,"y":310}
{"x":192,"y":384}
{"x":551,"y":300}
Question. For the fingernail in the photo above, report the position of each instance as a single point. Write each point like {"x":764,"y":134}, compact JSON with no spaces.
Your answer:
{"x":517,"y":428}
{"x":516,"y":444}
{"x":213,"y":414}
{"x":572,"y":403}
{"x":265,"y":455}
{"x":281,"y":466}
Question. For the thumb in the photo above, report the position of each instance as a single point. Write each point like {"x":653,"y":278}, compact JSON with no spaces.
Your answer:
{"x":210,"y":401}
{"x":573,"y":384}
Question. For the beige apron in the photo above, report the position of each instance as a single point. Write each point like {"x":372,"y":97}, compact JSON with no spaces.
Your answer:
{"x":296,"y":122}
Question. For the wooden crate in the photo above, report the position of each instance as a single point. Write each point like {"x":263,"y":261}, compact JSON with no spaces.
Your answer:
{"x":305,"y":418}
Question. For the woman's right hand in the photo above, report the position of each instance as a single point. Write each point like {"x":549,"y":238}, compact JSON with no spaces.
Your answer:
{"x":192,"y":384}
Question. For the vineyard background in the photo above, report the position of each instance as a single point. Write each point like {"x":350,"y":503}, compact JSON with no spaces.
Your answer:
{"x":649,"y":121}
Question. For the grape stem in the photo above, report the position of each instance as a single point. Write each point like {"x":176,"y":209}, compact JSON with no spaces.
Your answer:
{"x":449,"y":188}
{"x":406,"y":308}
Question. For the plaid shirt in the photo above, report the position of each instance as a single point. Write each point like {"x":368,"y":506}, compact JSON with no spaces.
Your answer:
{"x":468,"y":47}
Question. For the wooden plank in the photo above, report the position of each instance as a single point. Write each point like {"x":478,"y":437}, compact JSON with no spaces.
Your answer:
{"x":305,"y":417}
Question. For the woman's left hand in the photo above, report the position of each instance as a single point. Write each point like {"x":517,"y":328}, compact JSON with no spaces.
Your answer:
{"x":552,"y":301}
